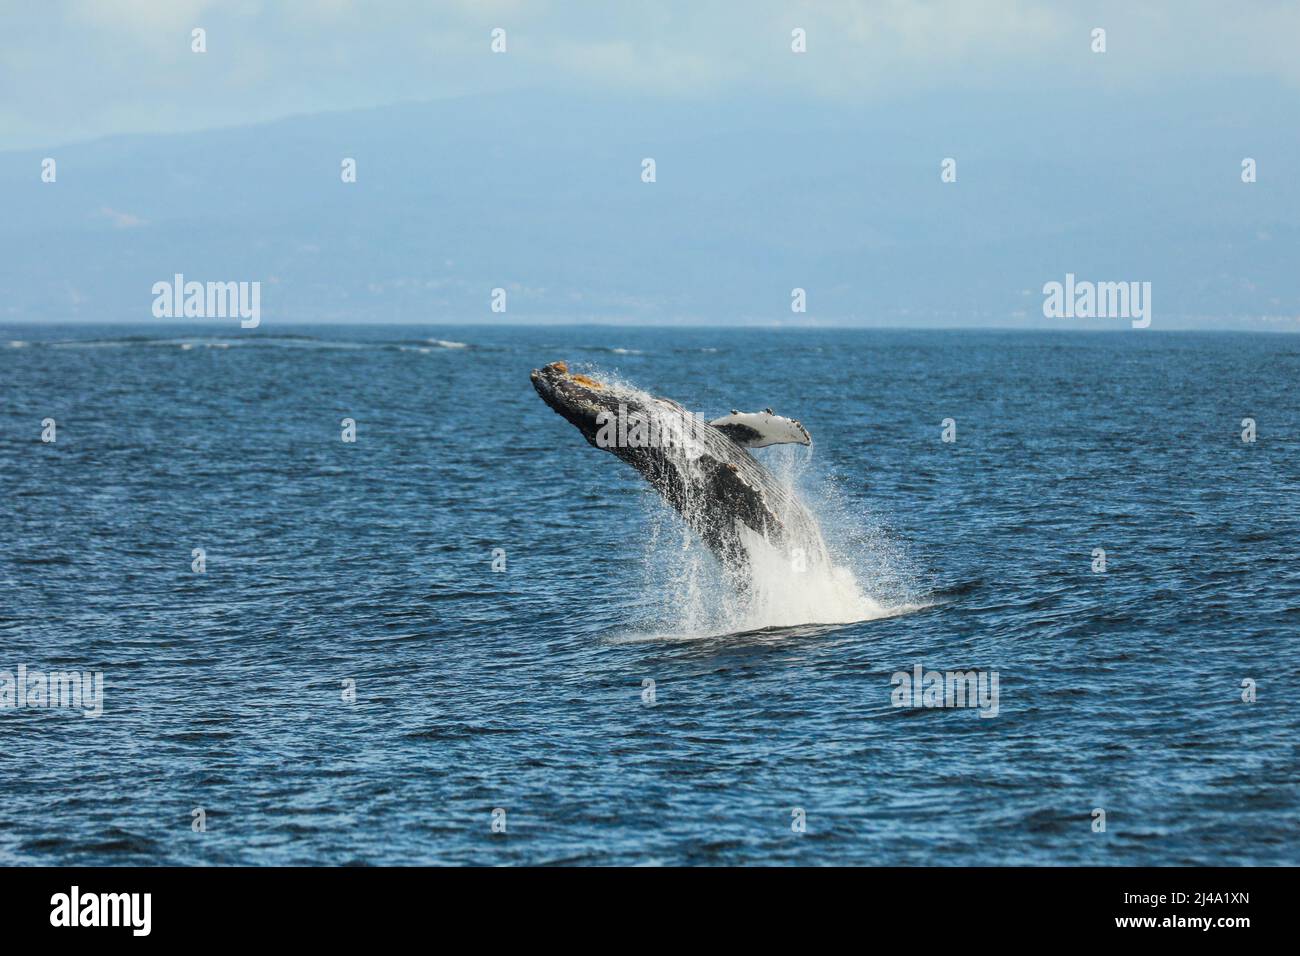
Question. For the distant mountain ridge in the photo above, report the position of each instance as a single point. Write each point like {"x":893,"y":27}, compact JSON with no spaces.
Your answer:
{"x":542,"y":196}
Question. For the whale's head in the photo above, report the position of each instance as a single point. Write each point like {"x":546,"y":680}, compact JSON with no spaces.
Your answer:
{"x":579,"y":398}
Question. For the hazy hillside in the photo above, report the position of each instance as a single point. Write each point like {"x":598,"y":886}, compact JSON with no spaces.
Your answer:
{"x":753,"y":198}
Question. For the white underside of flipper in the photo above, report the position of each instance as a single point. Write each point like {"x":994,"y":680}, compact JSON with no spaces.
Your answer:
{"x":760,"y":429}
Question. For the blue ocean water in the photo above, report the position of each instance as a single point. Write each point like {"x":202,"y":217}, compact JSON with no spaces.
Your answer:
{"x":369,"y":565}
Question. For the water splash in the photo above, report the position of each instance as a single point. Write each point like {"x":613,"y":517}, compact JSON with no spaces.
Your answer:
{"x":855,"y":573}
{"x":800,"y":577}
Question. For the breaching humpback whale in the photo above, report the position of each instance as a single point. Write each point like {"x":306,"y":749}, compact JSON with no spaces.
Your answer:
{"x":700,"y":468}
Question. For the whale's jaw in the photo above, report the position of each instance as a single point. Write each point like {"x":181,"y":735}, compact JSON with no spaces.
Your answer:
{"x":578,"y":398}
{"x":715,"y":484}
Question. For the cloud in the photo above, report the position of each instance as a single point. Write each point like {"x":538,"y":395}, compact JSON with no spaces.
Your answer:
{"x":92,"y":67}
{"x":120,"y":220}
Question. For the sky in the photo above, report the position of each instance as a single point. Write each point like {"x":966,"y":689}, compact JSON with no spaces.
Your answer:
{"x":71,"y":70}
{"x":521,"y":170}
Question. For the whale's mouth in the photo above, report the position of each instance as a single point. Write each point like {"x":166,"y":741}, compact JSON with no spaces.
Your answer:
{"x":579,"y":398}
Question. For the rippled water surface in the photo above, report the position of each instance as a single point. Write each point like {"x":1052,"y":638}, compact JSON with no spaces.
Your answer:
{"x":372,"y":562}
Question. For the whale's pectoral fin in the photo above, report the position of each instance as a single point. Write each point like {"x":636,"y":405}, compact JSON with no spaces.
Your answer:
{"x":760,"y":429}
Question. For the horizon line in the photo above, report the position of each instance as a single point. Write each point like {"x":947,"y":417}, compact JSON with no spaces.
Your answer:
{"x":726,"y":326}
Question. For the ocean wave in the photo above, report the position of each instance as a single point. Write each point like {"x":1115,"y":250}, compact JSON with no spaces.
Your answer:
{"x":189,"y":343}
{"x":612,"y":350}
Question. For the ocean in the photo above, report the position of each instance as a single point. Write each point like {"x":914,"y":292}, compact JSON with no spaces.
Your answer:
{"x":468,"y":637}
